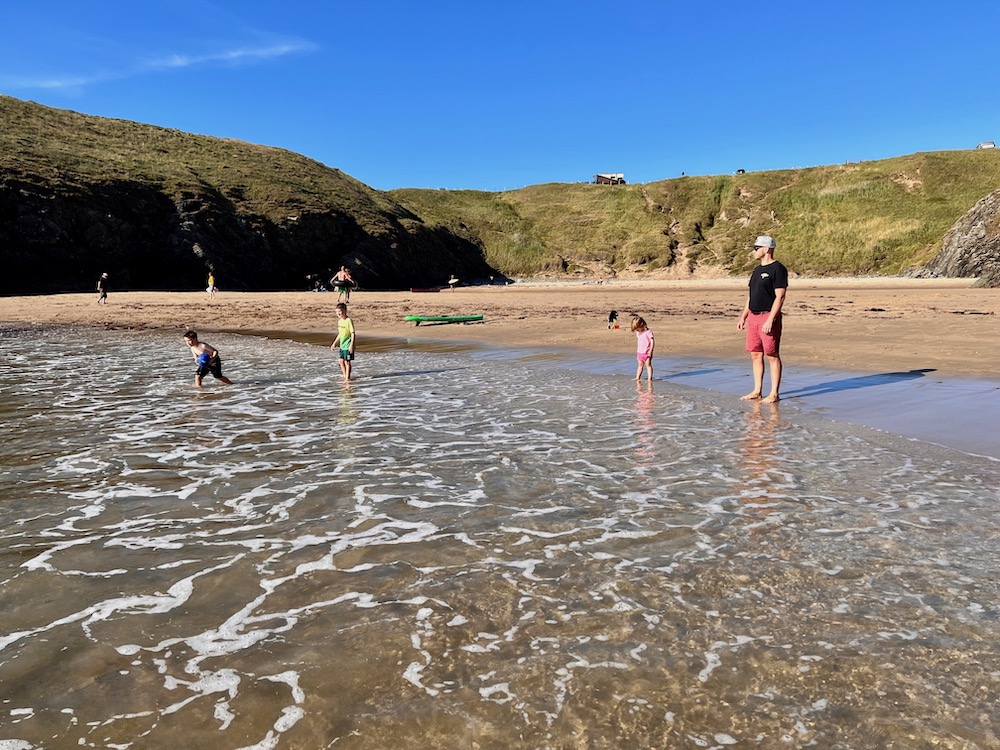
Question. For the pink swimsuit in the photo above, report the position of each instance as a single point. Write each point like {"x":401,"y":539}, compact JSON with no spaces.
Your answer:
{"x":644,"y":344}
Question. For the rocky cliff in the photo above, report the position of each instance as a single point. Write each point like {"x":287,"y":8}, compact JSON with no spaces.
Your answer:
{"x":971,"y":248}
{"x":158,"y":209}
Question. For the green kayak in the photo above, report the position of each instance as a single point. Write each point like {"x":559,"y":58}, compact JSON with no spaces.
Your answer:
{"x":418,"y":319}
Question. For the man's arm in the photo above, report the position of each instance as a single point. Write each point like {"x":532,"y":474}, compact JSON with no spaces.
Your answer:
{"x":742,"y":322}
{"x":779,"y":300}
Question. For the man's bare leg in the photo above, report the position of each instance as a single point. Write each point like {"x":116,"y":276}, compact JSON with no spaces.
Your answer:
{"x":775,"y":363}
{"x":757,"y":362}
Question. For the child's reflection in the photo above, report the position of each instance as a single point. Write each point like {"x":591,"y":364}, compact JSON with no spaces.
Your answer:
{"x":348,"y":414}
{"x":645,"y":425}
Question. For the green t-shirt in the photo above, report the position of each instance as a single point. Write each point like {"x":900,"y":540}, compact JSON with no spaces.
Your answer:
{"x":345,"y":330}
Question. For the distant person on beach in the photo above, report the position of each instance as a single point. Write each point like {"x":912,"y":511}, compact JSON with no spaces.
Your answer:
{"x":613,"y":319}
{"x":211,"y":284}
{"x":342,"y":283}
{"x":344,"y":343}
{"x":761,"y":318}
{"x":644,"y":348}
{"x":206,"y":357}
{"x":102,"y":289}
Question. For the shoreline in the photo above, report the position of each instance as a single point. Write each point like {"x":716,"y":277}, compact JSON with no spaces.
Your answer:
{"x":871,"y":324}
{"x":955,"y":413}
{"x":915,"y":357}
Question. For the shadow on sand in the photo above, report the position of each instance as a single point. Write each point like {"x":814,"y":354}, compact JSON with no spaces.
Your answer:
{"x":690,"y":373}
{"x":861,"y":381}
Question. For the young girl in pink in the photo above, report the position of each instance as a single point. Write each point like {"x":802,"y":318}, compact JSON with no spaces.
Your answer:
{"x":644,"y":348}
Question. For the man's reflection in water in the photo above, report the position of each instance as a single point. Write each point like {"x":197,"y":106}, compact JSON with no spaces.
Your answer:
{"x":758,"y":446}
{"x":764,"y":481}
{"x":645,"y":425}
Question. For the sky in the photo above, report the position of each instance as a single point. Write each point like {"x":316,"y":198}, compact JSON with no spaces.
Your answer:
{"x":499,"y":95}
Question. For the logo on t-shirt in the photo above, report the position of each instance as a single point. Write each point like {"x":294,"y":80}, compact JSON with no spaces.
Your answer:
{"x":765,"y":275}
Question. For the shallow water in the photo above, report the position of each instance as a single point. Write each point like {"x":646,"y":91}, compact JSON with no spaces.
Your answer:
{"x":462,"y":550}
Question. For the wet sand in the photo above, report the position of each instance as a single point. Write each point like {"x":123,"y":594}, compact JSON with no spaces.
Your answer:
{"x":868,"y":324}
{"x":931,"y":345}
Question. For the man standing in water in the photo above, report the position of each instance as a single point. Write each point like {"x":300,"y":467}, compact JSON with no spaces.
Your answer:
{"x":761,"y":318}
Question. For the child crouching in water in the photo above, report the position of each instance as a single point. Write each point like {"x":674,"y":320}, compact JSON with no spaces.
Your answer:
{"x":207,"y":358}
{"x":644,"y":348}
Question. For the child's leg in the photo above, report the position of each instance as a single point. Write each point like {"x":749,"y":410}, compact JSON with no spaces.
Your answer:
{"x":638,"y":371}
{"x":649,"y":369}
{"x":347,"y":369}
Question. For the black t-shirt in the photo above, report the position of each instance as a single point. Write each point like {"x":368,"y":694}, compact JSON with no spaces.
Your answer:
{"x":763,"y":281}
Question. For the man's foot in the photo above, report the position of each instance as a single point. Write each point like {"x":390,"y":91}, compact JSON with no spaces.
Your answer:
{"x":751,"y":396}
{"x":772,"y":399}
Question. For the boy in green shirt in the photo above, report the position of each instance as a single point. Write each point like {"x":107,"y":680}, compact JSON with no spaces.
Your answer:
{"x":344,"y":343}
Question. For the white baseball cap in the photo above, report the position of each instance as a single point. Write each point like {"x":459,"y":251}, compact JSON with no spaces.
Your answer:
{"x":764,"y":241}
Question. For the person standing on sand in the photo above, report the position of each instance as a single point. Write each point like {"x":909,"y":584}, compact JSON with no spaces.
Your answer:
{"x":761,"y":318}
{"x":102,"y":289}
{"x":207,"y":358}
{"x":342,"y":283}
{"x":211,"y":284}
{"x":644,"y":348}
{"x":344,"y":343}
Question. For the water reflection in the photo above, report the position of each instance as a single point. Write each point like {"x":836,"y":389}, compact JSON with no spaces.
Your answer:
{"x":645,"y":424}
{"x":505,"y":556}
{"x":759,"y":443}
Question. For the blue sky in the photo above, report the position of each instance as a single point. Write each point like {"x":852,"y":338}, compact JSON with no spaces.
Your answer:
{"x":496,"y":96}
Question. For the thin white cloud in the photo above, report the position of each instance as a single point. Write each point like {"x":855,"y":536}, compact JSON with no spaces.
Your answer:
{"x":53,"y":83}
{"x":172,"y":62}
{"x":242,"y":54}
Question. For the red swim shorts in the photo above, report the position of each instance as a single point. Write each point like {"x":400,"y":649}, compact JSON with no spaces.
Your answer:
{"x":757,"y":340}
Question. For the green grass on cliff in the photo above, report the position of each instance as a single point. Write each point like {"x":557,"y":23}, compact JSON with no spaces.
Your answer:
{"x":876,"y":217}
{"x":73,"y":151}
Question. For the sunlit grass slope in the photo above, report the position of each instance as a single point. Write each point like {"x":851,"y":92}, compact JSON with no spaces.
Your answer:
{"x":876,"y":217}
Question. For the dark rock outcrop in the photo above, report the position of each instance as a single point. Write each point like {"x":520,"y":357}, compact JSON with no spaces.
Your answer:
{"x":159,"y":209}
{"x":57,"y":238}
{"x":971,"y":248}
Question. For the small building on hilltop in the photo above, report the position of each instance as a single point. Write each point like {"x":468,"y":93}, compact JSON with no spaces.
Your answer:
{"x":609,"y":178}
{"x":987,"y":144}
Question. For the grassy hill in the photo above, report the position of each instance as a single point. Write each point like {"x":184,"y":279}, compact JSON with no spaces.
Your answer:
{"x":157,"y":208}
{"x":876,"y":217}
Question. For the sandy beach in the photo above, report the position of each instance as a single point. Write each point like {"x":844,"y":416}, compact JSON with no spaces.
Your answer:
{"x":856,"y":324}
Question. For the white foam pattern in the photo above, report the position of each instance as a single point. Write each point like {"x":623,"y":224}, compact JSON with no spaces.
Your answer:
{"x":461,"y":547}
